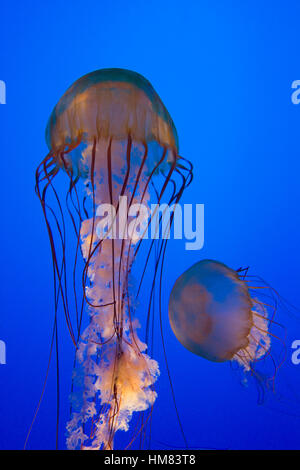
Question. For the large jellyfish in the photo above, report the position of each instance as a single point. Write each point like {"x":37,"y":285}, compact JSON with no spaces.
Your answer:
{"x":213,"y":314}
{"x":113,"y":138}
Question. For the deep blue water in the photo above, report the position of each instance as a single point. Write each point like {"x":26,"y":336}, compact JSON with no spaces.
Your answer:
{"x":224,"y":71}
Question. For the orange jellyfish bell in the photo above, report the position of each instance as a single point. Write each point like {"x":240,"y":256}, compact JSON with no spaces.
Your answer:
{"x":213,"y":315}
{"x":111,"y":104}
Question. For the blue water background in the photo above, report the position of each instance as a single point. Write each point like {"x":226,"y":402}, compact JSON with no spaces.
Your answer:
{"x":224,"y":71}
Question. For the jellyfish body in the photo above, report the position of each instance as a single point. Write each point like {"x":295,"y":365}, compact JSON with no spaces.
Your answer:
{"x":111,"y":134}
{"x":213,"y":315}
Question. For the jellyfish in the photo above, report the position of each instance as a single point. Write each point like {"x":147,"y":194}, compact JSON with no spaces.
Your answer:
{"x":215,"y":314}
{"x":112,"y":140}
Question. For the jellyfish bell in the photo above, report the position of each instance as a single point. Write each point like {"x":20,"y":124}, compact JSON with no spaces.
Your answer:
{"x":213,"y":315}
{"x":111,"y":104}
{"x":112,"y":136}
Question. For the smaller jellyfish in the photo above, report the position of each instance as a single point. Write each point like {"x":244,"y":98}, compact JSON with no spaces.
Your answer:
{"x":213,"y":315}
